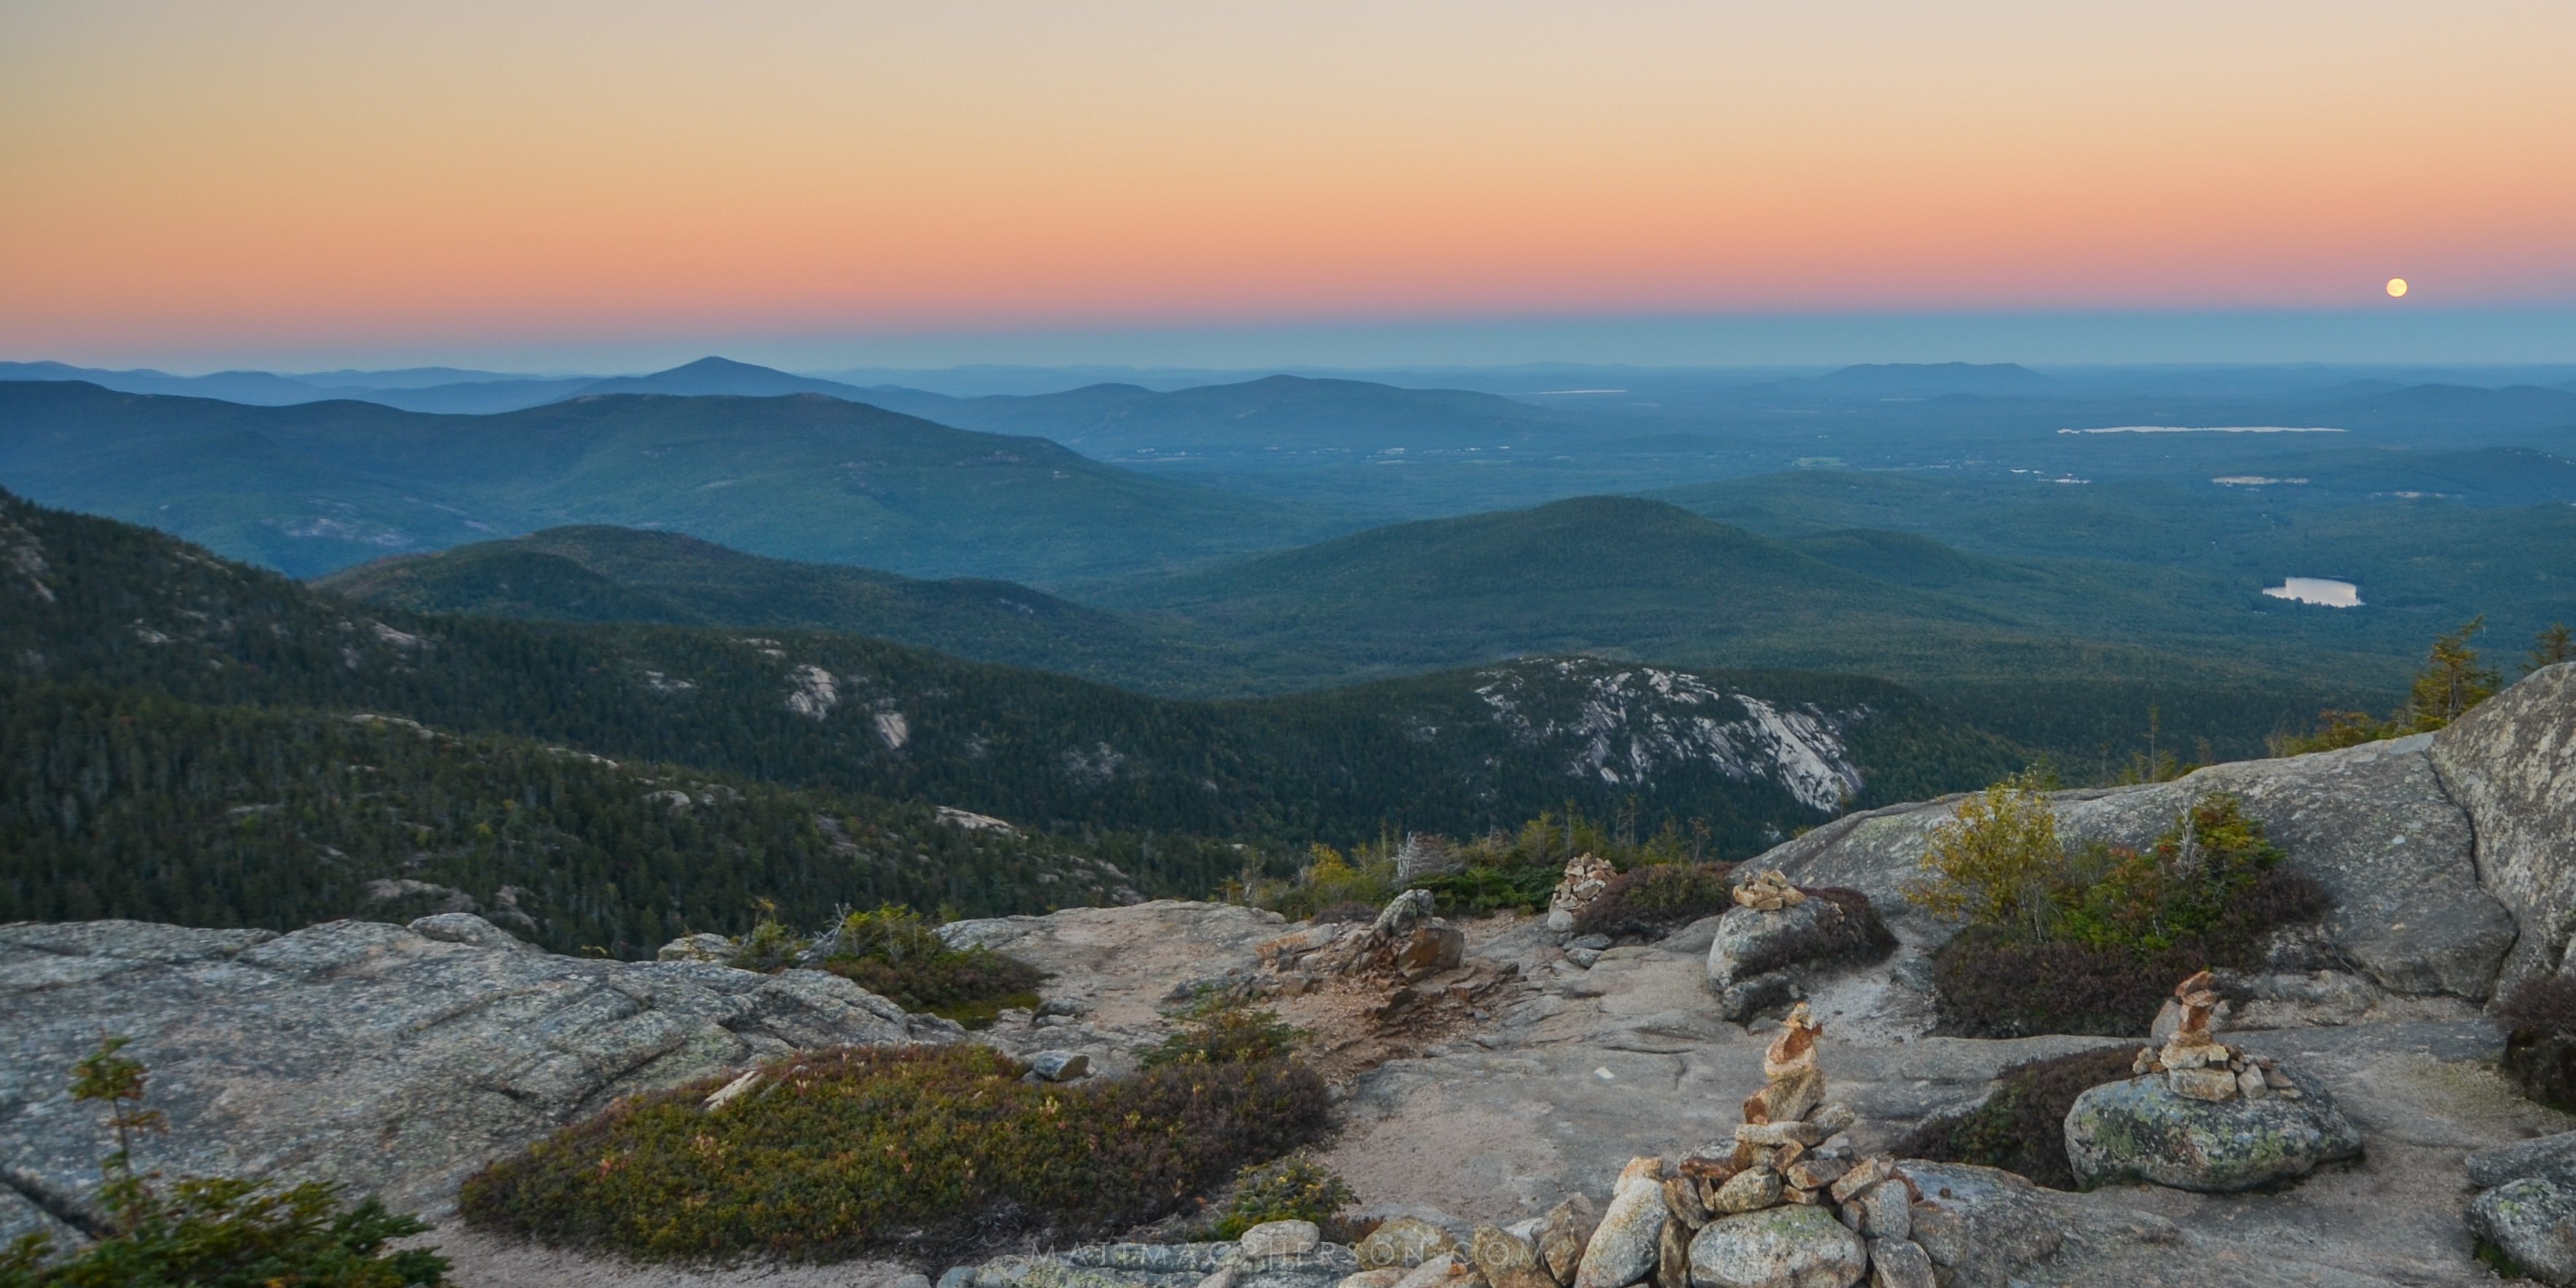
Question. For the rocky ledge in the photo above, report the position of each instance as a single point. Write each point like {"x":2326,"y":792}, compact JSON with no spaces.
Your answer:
{"x":394,"y":1059}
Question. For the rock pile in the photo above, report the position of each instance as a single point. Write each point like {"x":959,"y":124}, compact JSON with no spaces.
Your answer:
{"x":1785,"y":1204}
{"x":2200,"y":1066}
{"x":1406,"y":944}
{"x":1586,"y":877}
{"x":1768,"y":892}
{"x":2203,"y":1115}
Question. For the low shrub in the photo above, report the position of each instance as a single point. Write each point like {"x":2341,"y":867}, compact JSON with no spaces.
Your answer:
{"x":2022,"y":1126}
{"x":1652,"y":901}
{"x":2539,"y":1022}
{"x":897,"y":954}
{"x":2091,"y":941}
{"x":936,"y":1147}
{"x":1226,"y":1032}
{"x":1484,"y":889}
{"x":1295,"y":1188}
{"x":1991,"y":985}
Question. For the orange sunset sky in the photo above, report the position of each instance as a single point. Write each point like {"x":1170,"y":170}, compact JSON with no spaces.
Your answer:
{"x":231,"y":179}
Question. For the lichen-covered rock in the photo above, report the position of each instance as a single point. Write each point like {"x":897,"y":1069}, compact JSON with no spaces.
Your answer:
{"x":2511,"y":763}
{"x":1900,"y":1263}
{"x":1782,"y":1247}
{"x":2532,"y":1221}
{"x":2139,"y":1129}
{"x":1757,"y":955}
{"x":387,"y":1058}
{"x":1622,"y":1250}
{"x":2539,"y":1156}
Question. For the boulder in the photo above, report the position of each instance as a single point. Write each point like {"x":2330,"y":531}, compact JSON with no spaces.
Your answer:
{"x":1622,"y":1250}
{"x":2374,"y":825}
{"x":1404,"y":1241}
{"x":1759,"y":956}
{"x":1281,"y":1239}
{"x":384,"y":1057}
{"x":1507,"y":1260}
{"x":1900,"y":1263}
{"x":2538,"y":1156}
{"x":2511,"y":764}
{"x":1059,"y":1066}
{"x":2140,"y":1129}
{"x":1564,"y":1234}
{"x":2532,"y":1221}
{"x":697,"y":948}
{"x":1782,"y":1247}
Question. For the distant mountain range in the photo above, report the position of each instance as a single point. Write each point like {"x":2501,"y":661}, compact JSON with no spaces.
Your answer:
{"x":98,"y":615}
{"x":318,"y":487}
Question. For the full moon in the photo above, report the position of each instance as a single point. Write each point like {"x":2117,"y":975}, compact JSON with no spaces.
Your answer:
{"x":2396,"y":287}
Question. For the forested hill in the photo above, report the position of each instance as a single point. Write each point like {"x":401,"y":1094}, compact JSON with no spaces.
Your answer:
{"x":598,"y":573}
{"x":92,"y":602}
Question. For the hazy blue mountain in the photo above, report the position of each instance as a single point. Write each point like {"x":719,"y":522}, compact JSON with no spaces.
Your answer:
{"x":721,"y":376}
{"x":321,"y":486}
{"x":1272,"y":414}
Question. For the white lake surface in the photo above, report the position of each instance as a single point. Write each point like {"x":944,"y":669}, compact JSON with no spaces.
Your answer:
{"x":2206,"y":429}
{"x":2317,"y":590}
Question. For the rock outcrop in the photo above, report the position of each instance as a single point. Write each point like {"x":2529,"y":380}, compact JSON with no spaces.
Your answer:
{"x":392,"y":1059}
{"x":1766,"y":946}
{"x":2528,"y":1210}
{"x":2511,"y":763}
{"x":2372,"y":824}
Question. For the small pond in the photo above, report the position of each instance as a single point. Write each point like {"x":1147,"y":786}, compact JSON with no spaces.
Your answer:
{"x":2317,"y":590}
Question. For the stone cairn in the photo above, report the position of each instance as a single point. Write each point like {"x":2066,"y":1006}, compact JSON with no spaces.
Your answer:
{"x":1768,"y":892}
{"x":1586,"y":877}
{"x":1785,"y":1204}
{"x":2200,"y":1066}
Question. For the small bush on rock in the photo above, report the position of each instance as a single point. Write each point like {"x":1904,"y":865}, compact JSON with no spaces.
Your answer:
{"x":1227,"y":1032}
{"x":2022,"y":1126}
{"x":2539,"y":1022}
{"x":2091,"y":941}
{"x":1652,"y":901}
{"x":936,"y":1146}
{"x":892,"y":952}
{"x":1295,"y":1188}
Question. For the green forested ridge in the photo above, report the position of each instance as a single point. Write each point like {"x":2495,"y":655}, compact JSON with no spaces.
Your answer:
{"x":125,"y":616}
{"x":596,"y":573}
{"x":115,"y":803}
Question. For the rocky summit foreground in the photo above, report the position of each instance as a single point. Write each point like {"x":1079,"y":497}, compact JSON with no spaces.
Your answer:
{"x":1495,"y":1079}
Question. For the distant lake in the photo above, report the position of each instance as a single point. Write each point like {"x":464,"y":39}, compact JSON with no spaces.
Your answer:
{"x":2317,"y":590}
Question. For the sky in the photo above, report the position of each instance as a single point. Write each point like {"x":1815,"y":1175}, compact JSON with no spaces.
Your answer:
{"x":194,"y":184}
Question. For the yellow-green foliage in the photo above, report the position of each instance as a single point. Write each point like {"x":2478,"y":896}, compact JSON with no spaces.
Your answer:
{"x":840,"y":1150}
{"x":1295,"y":1188}
{"x":1996,"y":863}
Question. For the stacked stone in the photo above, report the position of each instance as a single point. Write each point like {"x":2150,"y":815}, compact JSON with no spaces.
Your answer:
{"x":1586,"y":877}
{"x":2197,"y":1065}
{"x":1768,"y":892}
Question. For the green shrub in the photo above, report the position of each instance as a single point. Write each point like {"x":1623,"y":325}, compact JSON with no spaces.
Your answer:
{"x":1482,"y":890}
{"x":1227,"y":1032}
{"x":893,"y":952}
{"x":1295,"y":1188}
{"x":214,"y":1232}
{"x":938,"y":1147}
{"x":2092,"y":941}
{"x":1650,"y":901}
{"x":2022,"y":1126}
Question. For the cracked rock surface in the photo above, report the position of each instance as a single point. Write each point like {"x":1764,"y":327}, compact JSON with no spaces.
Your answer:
{"x":393,"y":1059}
